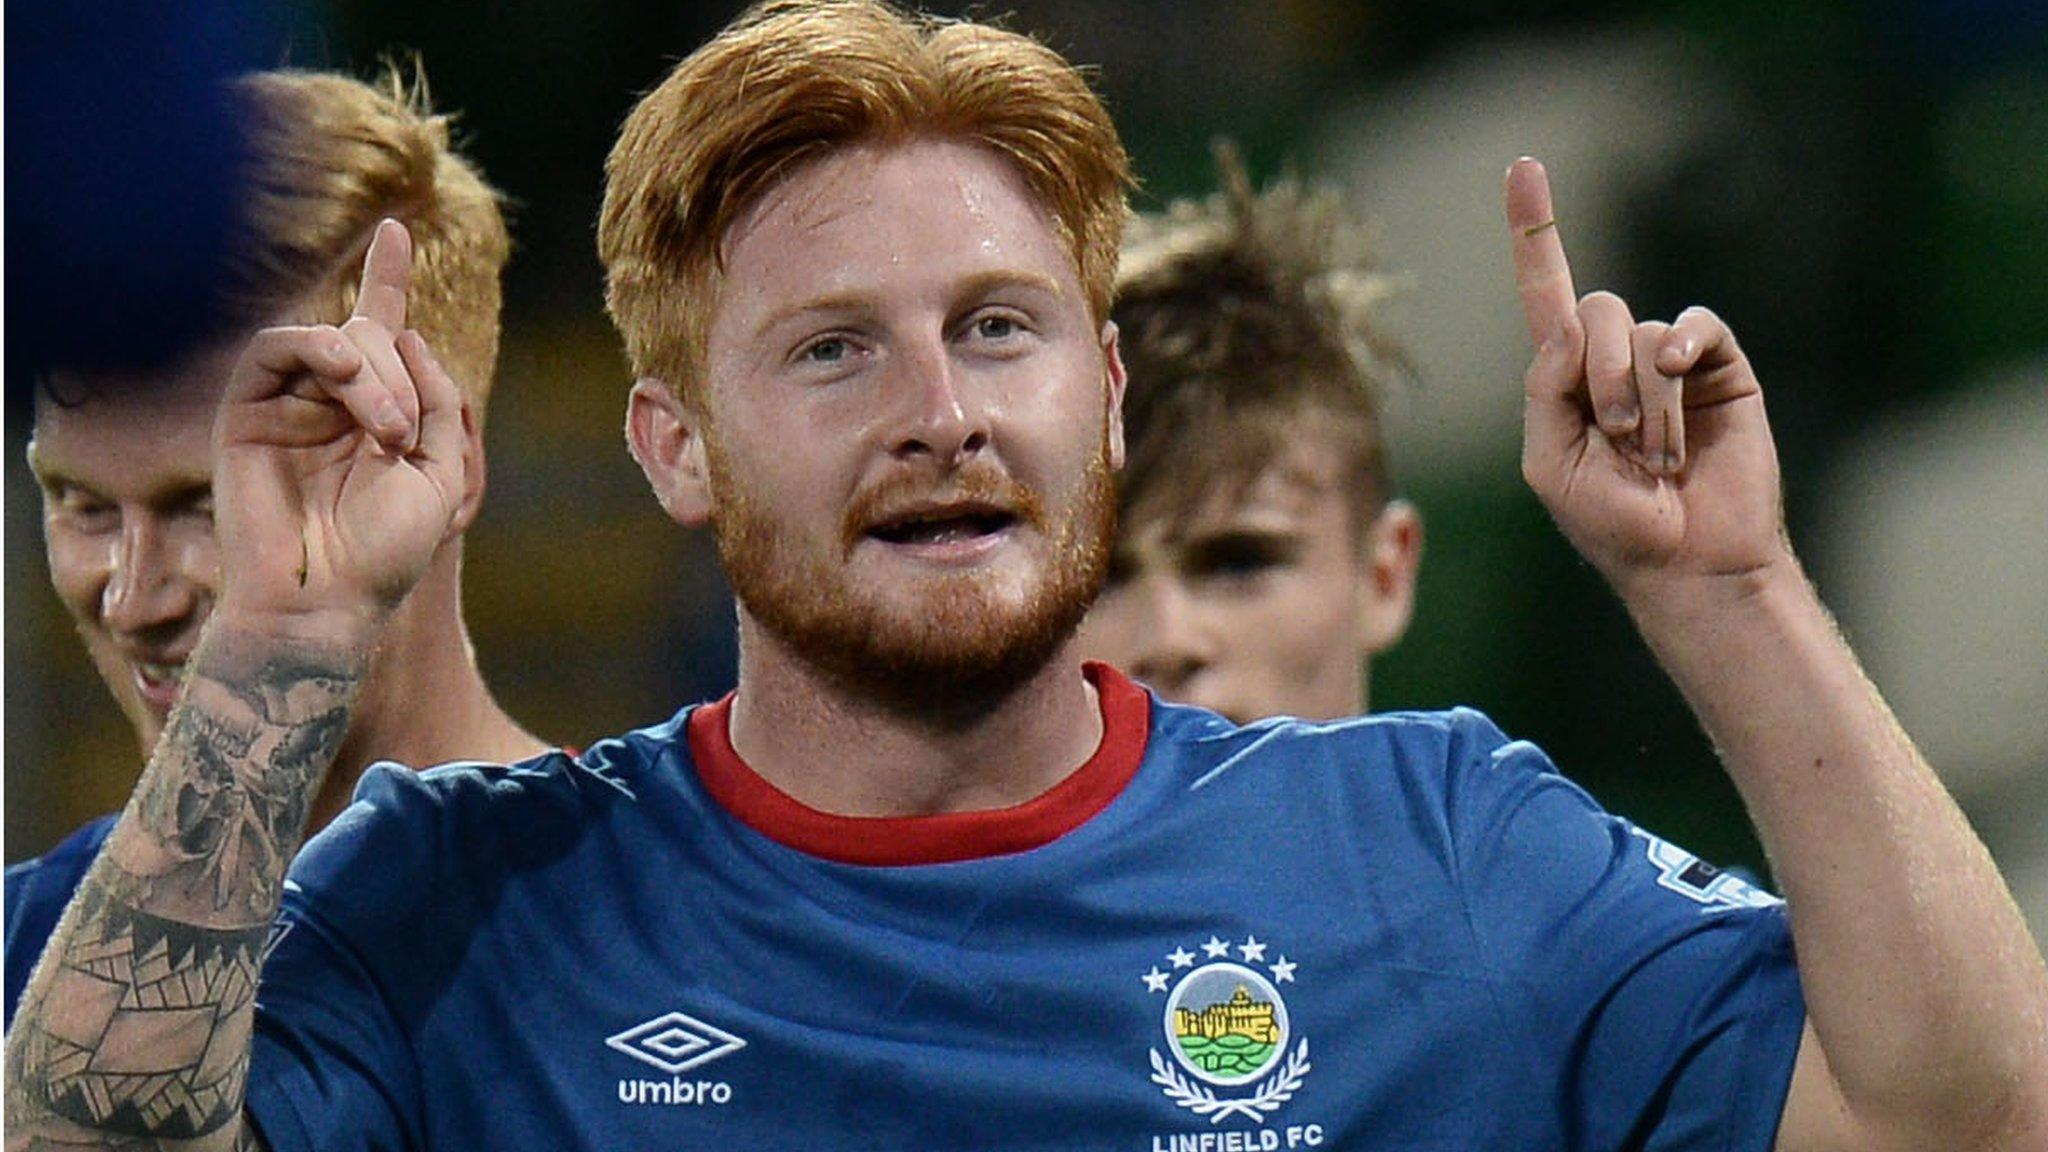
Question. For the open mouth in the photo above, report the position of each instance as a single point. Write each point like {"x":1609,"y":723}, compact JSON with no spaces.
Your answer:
{"x":160,"y":681}
{"x":943,"y":526}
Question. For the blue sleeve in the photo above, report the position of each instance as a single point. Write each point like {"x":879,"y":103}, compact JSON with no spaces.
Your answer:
{"x":332,"y":1066}
{"x":378,"y":919}
{"x":28,"y":931}
{"x":1663,"y":989}
{"x":37,"y":892}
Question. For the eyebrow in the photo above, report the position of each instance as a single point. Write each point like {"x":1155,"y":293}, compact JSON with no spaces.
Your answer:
{"x":181,"y":488}
{"x":977,"y":285}
{"x":983,"y":283}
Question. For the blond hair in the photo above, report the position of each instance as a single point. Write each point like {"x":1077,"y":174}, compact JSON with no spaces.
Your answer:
{"x":328,"y":157}
{"x":792,"y":80}
{"x":1247,"y":320}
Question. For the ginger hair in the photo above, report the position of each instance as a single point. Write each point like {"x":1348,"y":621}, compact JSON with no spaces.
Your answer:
{"x":792,"y":81}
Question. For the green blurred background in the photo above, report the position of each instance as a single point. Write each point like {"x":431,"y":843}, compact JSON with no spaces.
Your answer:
{"x":1861,"y":189}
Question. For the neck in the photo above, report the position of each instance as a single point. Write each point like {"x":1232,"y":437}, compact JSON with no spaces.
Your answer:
{"x":424,"y":701}
{"x":852,"y":753}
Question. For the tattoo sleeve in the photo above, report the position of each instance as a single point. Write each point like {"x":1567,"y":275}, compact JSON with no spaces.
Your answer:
{"x":134,"y":1031}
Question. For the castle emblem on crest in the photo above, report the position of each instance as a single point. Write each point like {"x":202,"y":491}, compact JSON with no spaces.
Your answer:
{"x":1230,"y":1046}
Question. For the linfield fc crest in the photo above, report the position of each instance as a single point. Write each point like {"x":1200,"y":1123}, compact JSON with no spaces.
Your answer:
{"x":1228,"y":1045}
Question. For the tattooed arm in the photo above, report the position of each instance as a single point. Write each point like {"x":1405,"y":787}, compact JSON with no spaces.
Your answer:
{"x":134,"y":1032}
{"x":338,"y":471}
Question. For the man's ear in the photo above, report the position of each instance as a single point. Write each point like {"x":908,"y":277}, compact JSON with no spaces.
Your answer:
{"x":473,"y":475}
{"x":1114,"y":382}
{"x":1391,"y":554}
{"x":666,"y":437}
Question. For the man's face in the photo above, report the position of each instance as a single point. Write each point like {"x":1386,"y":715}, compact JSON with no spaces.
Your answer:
{"x":125,"y":464}
{"x":910,"y":420}
{"x":1261,"y":601}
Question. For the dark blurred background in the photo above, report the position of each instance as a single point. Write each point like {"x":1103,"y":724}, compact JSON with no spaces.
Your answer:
{"x":1861,"y":189}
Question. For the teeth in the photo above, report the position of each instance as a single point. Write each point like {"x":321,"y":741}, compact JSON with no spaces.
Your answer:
{"x":943,"y":529}
{"x":943,"y":533}
{"x":158,"y":672}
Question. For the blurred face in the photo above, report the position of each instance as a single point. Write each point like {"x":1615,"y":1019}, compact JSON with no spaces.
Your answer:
{"x":909,"y":420}
{"x":1263,"y":601}
{"x":125,"y":465}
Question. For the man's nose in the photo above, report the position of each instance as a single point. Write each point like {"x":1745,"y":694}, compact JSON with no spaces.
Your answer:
{"x":944,"y":415}
{"x":144,"y":587}
{"x":1172,"y":645}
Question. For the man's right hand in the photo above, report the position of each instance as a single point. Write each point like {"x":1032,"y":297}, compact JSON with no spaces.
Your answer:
{"x":338,"y":470}
{"x":338,"y":464}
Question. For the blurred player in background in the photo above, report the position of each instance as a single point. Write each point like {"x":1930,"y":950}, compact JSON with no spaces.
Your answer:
{"x":125,"y":458}
{"x":1261,"y":559}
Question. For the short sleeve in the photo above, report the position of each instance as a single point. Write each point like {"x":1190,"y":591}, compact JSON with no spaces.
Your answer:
{"x":332,"y":1066}
{"x":1662,"y":989}
{"x":28,"y":930}
{"x":329,"y":1068}
{"x":378,"y":920}
{"x":37,"y":892}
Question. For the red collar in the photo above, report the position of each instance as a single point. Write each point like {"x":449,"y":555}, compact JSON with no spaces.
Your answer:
{"x":935,"y":839}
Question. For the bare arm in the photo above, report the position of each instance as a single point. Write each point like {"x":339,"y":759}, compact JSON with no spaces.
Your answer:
{"x":135,"y":1027}
{"x":1927,"y":1000}
{"x":338,"y":470}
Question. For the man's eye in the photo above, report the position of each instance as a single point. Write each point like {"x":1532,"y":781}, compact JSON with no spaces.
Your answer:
{"x":1239,"y":560}
{"x":995,"y":327}
{"x":830,"y":350}
{"x":72,"y":499}
{"x":83,"y":509}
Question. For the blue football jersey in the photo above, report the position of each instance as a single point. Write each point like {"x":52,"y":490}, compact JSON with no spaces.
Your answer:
{"x":1398,"y":932}
{"x":36,"y":893}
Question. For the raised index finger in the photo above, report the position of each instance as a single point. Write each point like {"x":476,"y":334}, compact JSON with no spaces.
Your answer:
{"x":1542,"y":275}
{"x":387,"y":274}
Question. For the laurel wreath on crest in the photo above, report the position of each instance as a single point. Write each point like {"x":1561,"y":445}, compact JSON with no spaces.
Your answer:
{"x":1199,"y":1099}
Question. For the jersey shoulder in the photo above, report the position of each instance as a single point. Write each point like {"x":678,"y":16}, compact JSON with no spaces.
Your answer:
{"x":36,"y":892}
{"x":471,"y":820}
{"x":1422,"y":745}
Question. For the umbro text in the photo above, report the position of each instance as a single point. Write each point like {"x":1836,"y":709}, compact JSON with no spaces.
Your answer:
{"x":675,"y":1090}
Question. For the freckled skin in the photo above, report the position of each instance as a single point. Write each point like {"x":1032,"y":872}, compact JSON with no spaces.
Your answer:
{"x":964,"y":368}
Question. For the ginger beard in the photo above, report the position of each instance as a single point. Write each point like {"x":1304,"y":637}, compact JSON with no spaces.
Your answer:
{"x":960,"y":647}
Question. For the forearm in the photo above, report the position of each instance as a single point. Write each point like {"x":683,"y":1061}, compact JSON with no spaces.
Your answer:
{"x":1923,"y":986}
{"x":134,"y":1030}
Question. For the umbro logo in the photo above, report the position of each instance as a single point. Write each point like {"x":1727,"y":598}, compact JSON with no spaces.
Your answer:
{"x":675,"y":1042}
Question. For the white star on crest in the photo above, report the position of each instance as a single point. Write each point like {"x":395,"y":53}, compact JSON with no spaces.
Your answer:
{"x":1252,"y":949}
{"x":1182,"y":958}
{"x":1216,"y":948}
{"x":1283,"y":970}
{"x":1155,"y":980}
